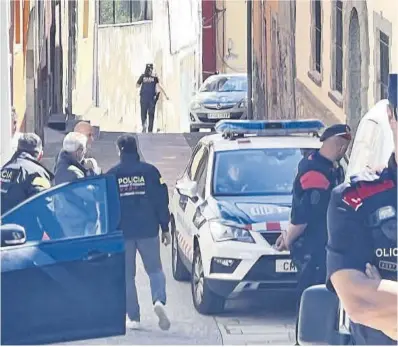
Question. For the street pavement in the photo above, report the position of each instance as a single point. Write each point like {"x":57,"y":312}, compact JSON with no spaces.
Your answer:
{"x":269,"y":320}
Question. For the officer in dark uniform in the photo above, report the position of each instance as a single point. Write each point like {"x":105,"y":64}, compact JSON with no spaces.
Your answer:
{"x":149,"y":95}
{"x":362,"y":227}
{"x":23,"y":176}
{"x":144,"y":208}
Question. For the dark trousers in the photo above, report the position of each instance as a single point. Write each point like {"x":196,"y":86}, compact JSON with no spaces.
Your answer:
{"x":148,"y":107}
{"x":311,"y":274}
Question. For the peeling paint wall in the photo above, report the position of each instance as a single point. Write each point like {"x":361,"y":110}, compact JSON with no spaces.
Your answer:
{"x":125,"y":49}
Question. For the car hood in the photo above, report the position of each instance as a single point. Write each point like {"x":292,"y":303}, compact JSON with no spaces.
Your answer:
{"x":251,"y":210}
{"x":220,"y":97}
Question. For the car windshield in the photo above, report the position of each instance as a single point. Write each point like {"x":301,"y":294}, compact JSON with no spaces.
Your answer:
{"x":256,"y":171}
{"x":225,"y":84}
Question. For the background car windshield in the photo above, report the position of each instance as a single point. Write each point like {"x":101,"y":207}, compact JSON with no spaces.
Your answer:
{"x":225,"y":84}
{"x":256,"y":171}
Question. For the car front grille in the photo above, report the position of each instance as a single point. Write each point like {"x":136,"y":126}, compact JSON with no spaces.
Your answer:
{"x":203,"y":117}
{"x":264,"y":270}
{"x":219,"y":107}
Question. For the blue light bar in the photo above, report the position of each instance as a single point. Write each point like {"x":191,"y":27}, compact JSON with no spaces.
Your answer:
{"x":264,"y":127}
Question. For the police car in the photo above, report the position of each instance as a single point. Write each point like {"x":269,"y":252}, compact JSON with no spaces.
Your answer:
{"x":64,"y":288}
{"x":230,"y":206}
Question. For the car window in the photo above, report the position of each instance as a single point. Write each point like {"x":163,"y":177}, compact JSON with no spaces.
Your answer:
{"x":256,"y":171}
{"x":195,"y":162}
{"x":78,"y":209}
{"x":225,"y":84}
{"x":201,"y":174}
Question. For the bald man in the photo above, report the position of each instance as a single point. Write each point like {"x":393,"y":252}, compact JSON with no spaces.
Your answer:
{"x":90,"y":164}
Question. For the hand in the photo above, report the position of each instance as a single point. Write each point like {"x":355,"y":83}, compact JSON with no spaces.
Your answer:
{"x":166,"y":238}
{"x":91,"y":164}
{"x":281,"y":244}
{"x":372,"y":272}
{"x":167,"y":98}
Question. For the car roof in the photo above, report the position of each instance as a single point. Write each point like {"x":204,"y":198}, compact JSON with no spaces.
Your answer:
{"x":220,"y":144}
{"x":227,"y":75}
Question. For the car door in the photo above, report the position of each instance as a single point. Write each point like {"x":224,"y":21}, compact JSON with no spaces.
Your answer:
{"x":67,"y":282}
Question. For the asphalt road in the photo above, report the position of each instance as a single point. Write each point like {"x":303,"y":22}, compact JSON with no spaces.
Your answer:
{"x":268,"y":320}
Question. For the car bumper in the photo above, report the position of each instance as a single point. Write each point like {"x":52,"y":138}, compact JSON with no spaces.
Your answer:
{"x":202,"y":118}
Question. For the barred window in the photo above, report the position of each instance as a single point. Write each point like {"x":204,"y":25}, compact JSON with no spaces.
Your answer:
{"x":384,"y":42}
{"x":339,"y":47}
{"x":124,"y":11}
{"x":318,"y":35}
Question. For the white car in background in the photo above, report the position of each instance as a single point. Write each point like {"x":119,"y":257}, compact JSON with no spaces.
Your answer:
{"x":230,"y":206}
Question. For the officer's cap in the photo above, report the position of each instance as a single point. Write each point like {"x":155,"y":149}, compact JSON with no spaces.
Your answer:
{"x":393,"y":91}
{"x":149,"y":66}
{"x":127,"y":143}
{"x":337,"y":130}
{"x":30,"y":143}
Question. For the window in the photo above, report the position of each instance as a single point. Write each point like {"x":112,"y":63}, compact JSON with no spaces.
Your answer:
{"x":86,"y":18}
{"x":124,"y":11}
{"x":384,"y":42}
{"x":318,"y":35}
{"x":339,"y":47}
{"x":76,"y":210}
{"x":236,"y":172}
{"x":201,"y":173}
{"x":274,"y":53}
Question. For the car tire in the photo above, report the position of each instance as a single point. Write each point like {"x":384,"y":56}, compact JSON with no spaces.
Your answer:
{"x":206,"y":302}
{"x":180,"y":272}
{"x":193,"y":129}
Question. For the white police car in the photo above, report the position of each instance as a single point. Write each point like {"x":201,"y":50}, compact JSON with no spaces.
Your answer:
{"x":230,"y":206}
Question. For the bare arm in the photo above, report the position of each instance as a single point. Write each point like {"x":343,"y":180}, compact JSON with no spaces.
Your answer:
{"x":370,"y":302}
{"x":159,"y":88}
{"x":293,"y":233}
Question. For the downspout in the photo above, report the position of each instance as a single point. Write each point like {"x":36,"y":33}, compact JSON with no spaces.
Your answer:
{"x":70,"y":56}
{"x":95,"y":56}
{"x":266,"y":60}
{"x":249,"y":61}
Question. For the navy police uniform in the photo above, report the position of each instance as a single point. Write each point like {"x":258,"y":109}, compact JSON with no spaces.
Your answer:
{"x":362,"y":226}
{"x":316,"y":178}
{"x":143,"y":195}
{"x":23,"y":176}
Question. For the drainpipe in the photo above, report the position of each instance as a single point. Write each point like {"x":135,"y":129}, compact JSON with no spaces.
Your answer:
{"x":249,"y":61}
{"x":95,"y":55}
{"x":70,"y":61}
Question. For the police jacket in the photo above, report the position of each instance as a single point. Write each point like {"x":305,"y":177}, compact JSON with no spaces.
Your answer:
{"x":316,"y":178}
{"x":143,"y":196}
{"x":22,"y":177}
{"x":362,"y":228}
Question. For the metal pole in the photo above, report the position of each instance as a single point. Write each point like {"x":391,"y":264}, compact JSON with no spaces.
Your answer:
{"x":249,"y":61}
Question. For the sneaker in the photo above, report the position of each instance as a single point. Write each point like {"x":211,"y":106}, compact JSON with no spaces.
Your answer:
{"x":160,"y":311}
{"x":132,"y":324}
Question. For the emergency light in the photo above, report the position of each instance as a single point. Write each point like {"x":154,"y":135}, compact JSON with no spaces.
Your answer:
{"x":263,"y":127}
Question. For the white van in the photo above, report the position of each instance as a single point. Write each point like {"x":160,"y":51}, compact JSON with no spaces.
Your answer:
{"x":373,"y":143}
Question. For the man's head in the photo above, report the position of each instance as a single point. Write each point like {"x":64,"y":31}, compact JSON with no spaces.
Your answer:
{"x":14,"y":120}
{"x":76,"y":145}
{"x":86,"y":129}
{"x":148,"y":69}
{"x":336,"y":140}
{"x":32,"y":144}
{"x":127,"y":144}
{"x":393,"y":107}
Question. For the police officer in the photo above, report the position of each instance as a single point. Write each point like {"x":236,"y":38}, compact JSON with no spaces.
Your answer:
{"x":23,"y":176}
{"x":149,"y":95}
{"x":362,"y":227}
{"x":144,"y":207}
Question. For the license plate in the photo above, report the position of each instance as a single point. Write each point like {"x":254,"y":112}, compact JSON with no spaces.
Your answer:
{"x":284,"y":265}
{"x":218,"y":116}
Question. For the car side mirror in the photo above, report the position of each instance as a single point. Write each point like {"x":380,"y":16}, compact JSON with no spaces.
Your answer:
{"x":12,"y":235}
{"x":188,"y":188}
{"x":318,"y":322}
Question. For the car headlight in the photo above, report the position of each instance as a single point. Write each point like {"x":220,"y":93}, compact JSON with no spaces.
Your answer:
{"x":195,"y":105}
{"x":243,"y":104}
{"x":221,"y":232}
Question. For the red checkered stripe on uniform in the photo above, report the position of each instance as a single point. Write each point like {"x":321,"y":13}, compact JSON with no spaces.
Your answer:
{"x":269,"y":226}
{"x":186,"y":248}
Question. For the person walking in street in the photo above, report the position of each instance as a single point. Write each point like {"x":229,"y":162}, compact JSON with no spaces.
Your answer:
{"x":149,"y":95}
{"x":144,"y":208}
{"x":23,"y":175}
{"x":306,"y":237}
{"x":362,"y":246}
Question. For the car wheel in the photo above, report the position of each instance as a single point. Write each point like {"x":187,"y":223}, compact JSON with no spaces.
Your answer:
{"x":180,"y":272}
{"x":193,"y":129}
{"x":204,"y":300}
